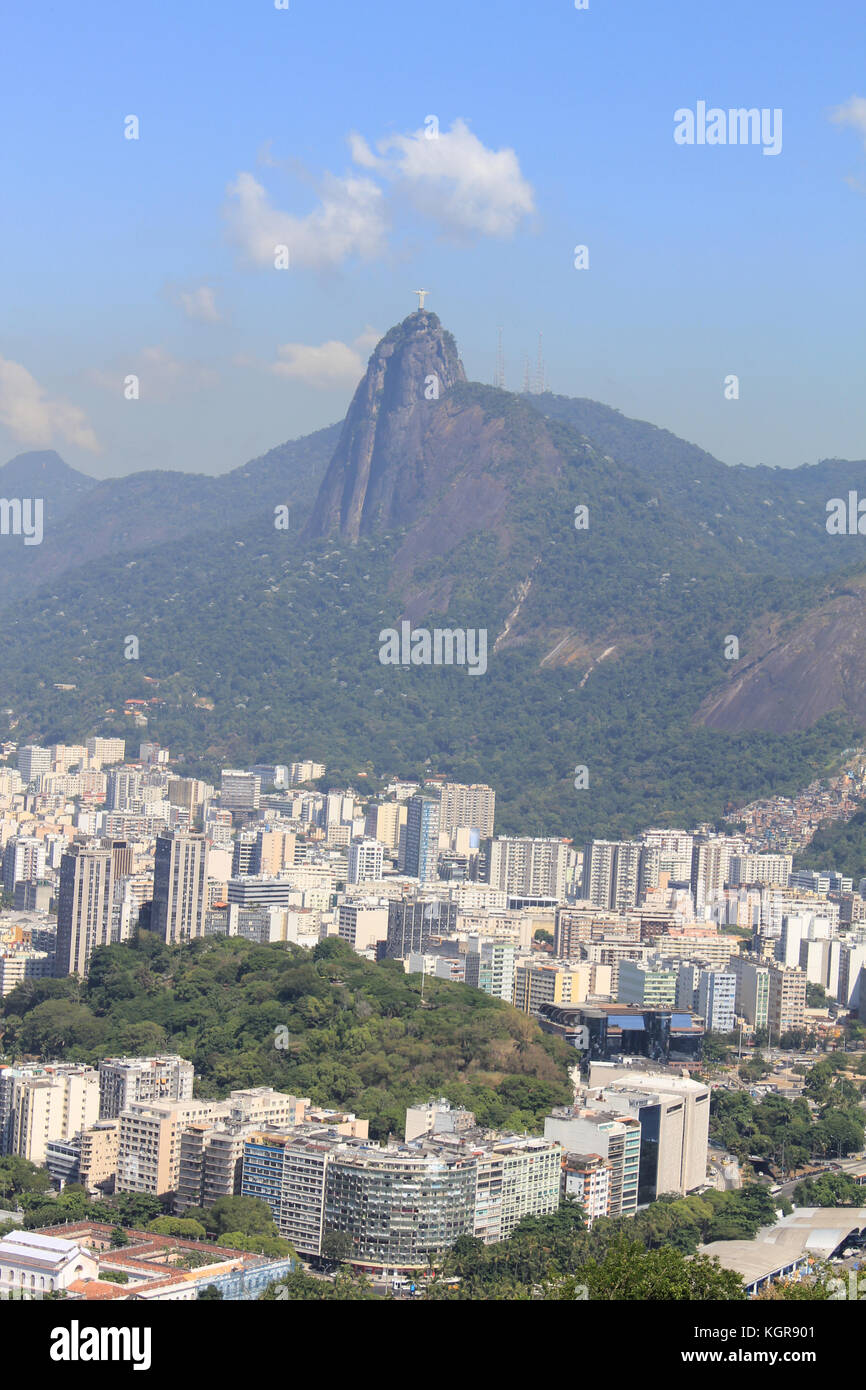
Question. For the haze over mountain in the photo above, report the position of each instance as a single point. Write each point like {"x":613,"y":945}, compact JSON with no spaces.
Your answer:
{"x":454,"y":503}
{"x":86,"y":519}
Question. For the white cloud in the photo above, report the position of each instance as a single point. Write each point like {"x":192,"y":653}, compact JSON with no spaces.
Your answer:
{"x":456,"y":181}
{"x":34,"y":418}
{"x":349,"y":221}
{"x":200,"y":304}
{"x":362,"y":155}
{"x":328,"y":364}
{"x":851,"y":113}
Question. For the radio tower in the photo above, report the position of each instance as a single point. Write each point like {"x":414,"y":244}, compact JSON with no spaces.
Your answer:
{"x":539,"y":368}
{"x":525,"y":375}
{"x":499,"y":378}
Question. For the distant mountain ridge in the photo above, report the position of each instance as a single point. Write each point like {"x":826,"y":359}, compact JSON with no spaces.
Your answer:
{"x":445,"y":501}
{"x":87,"y":519}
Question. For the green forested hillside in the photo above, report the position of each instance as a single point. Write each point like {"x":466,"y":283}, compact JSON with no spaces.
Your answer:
{"x":358,"y":1035}
{"x":257,"y":644}
{"x":839,"y":845}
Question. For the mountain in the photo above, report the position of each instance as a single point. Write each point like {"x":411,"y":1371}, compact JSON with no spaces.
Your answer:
{"x":44,"y":474}
{"x":390,"y":456}
{"x":771,"y":519}
{"x":86,"y":519}
{"x":792,"y":678}
{"x":606,"y":562}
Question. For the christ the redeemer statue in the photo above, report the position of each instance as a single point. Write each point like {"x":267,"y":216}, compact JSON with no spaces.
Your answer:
{"x":422,"y":295}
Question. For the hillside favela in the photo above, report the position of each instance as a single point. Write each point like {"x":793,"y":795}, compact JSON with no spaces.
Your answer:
{"x":433,"y":789}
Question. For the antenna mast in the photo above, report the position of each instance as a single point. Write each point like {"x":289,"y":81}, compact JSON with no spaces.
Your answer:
{"x":499,"y":378}
{"x":539,"y":367}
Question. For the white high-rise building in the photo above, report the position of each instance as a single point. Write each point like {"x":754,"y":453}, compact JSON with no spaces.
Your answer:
{"x":306,"y":771}
{"x":102,"y":752}
{"x":45,"y":1103}
{"x":711,"y":866}
{"x":716,"y":1000}
{"x":23,"y":861}
{"x":123,"y":1080}
{"x":612,"y":872}
{"x":760,"y":868}
{"x":33,"y":760}
{"x":674,"y":1115}
{"x":524,"y":867}
{"x":365,"y":861}
{"x":674,"y":852}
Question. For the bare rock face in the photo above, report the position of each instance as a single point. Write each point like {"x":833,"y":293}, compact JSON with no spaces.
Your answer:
{"x":378,"y":476}
{"x":787,"y":685}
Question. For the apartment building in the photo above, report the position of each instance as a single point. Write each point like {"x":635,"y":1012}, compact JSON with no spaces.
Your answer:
{"x":646,"y":983}
{"x":490,"y":966}
{"x":421,"y":850}
{"x":123,"y":1080}
{"x":466,"y":806}
{"x":852,"y":972}
{"x":612,"y":952}
{"x":586,"y":1179}
{"x":614,"y":1137}
{"x":98,"y":1153}
{"x":211,"y":1151}
{"x":33,"y":761}
{"x":711,"y":866}
{"x":148,"y":1157}
{"x":366,"y":858}
{"x":239,"y":790}
{"x":20,"y":963}
{"x":179,"y":887}
{"x":787,"y":1002}
{"x":715,"y":1000}
{"x":577,"y":926}
{"x":437,"y":1117}
{"x":385,"y":822}
{"x":401,"y":1204}
{"x":524,"y":867}
{"x":85,"y":907}
{"x":40,"y":1104}
{"x":517,"y":1176}
{"x":538,"y":982}
{"x":104,"y":752}
{"x":612,"y":873}
{"x":411,"y":924}
{"x":23,"y":861}
{"x":364,"y":926}
{"x":674,"y":851}
{"x":305,"y":771}
{"x":752,"y":996}
{"x":772,"y":869}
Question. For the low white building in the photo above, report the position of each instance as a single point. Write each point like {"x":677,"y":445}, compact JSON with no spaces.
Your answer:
{"x":33,"y":1265}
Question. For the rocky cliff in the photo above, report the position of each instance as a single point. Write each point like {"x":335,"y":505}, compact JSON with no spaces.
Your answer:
{"x":379,"y":476}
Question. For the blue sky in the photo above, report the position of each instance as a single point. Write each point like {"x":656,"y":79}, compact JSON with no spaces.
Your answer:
{"x":306,"y":127}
